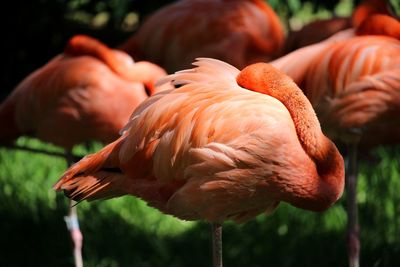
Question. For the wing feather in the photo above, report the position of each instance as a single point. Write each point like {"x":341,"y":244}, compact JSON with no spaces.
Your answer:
{"x":199,"y":113}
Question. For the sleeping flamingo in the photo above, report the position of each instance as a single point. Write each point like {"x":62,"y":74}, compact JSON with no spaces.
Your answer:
{"x":377,"y":13}
{"x":239,"y":32}
{"x":227,"y":145}
{"x":86,"y":93}
{"x":354,"y":86}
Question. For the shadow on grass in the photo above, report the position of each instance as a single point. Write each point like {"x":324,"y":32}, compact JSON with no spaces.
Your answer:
{"x":43,"y":240}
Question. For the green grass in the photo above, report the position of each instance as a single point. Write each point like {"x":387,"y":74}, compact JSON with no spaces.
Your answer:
{"x":126,"y":232}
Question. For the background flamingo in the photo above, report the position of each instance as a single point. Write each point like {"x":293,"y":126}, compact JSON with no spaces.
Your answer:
{"x":86,"y":93}
{"x":66,"y":103}
{"x":320,"y":30}
{"x":354,"y":86}
{"x":214,"y":150}
{"x":239,"y":32}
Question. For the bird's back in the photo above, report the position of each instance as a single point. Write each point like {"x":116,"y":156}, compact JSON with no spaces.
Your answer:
{"x":66,"y":102}
{"x":238,"y":32}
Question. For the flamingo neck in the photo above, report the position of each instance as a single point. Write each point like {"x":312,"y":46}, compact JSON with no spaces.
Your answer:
{"x":380,"y":25}
{"x":118,"y":61}
{"x":327,"y":179}
{"x":367,"y":9}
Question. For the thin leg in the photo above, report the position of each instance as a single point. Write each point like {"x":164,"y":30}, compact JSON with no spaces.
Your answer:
{"x":73,"y":223}
{"x":76,"y":235}
{"x":353,"y":228}
{"x":217,"y":244}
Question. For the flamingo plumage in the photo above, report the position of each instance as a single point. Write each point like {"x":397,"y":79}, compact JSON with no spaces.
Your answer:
{"x":239,"y":32}
{"x":369,"y":17}
{"x":214,"y":149}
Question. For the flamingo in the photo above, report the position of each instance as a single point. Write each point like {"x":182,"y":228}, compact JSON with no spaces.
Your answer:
{"x":227,"y":145}
{"x":239,"y":32}
{"x":376,"y":17}
{"x":369,"y":17}
{"x":86,"y":93}
{"x":354,"y":86}
{"x":369,"y":8}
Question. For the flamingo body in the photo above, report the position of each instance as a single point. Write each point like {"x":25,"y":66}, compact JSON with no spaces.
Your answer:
{"x":214,"y":150}
{"x":238,"y":32}
{"x":76,"y":97}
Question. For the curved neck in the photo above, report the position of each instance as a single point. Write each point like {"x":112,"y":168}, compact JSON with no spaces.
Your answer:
{"x":263,"y":78}
{"x":380,"y":25}
{"x":326,"y":188}
{"x":369,"y":8}
{"x":117,"y":61}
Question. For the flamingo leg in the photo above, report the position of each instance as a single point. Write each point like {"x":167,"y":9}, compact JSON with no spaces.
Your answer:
{"x":353,"y":228}
{"x":73,"y":223}
{"x":216,"y":229}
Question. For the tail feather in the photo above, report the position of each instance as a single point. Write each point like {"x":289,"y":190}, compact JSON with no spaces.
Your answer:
{"x":100,"y":185}
{"x":94,"y":177}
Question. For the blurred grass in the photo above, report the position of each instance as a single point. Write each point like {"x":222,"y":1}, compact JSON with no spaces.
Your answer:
{"x":125,"y":232}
